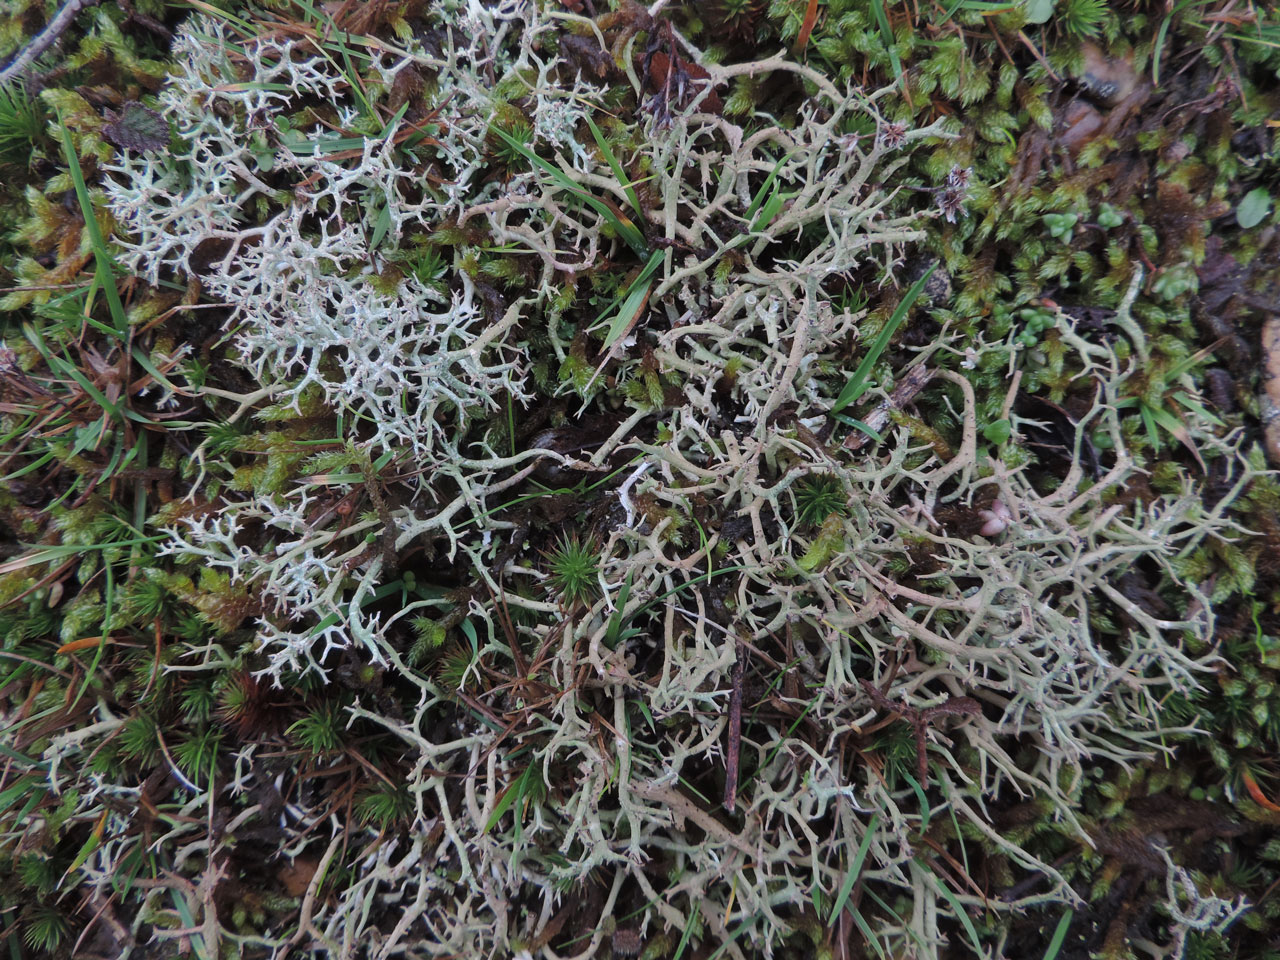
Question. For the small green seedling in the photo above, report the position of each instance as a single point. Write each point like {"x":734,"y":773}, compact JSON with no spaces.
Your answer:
{"x":1109,"y":217}
{"x":1035,"y":321}
{"x":575,"y":570}
{"x":1174,"y":282}
{"x":819,"y":497}
{"x":1060,"y":225}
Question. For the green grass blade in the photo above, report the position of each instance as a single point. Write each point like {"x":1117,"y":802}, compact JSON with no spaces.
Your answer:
{"x":196,"y":940}
{"x":859,"y":425}
{"x":1059,"y":935}
{"x":734,"y":934}
{"x":1149,"y":422}
{"x":508,"y":799}
{"x":24,"y":784}
{"x":380,"y":227}
{"x":615,"y":621}
{"x":961,"y":913}
{"x":772,"y":207}
{"x":1266,"y":39}
{"x":635,"y":296}
{"x":389,"y":127}
{"x":63,"y":367}
{"x":30,"y":467}
{"x":855,"y":869}
{"x":616,"y":167}
{"x":857,"y":384}
{"x":926,"y":812}
{"x":693,"y":581}
{"x":765,"y":187}
{"x":242,"y":24}
{"x":688,"y":932}
{"x":886,"y":34}
{"x":26,"y":761}
{"x":62,"y":551}
{"x":1183,"y":398}
{"x":320,"y":148}
{"x":101,"y":255}
{"x":866,"y":932}
{"x":627,"y":230}
{"x":627,"y":313}
{"x":145,"y":363}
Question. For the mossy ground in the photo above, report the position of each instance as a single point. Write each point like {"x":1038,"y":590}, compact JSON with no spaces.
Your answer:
{"x":635,"y":640}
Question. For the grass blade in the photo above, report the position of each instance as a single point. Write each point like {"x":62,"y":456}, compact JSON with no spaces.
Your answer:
{"x":101,"y":255}
{"x":926,"y":812}
{"x":858,"y":424}
{"x":866,"y":932}
{"x":508,"y":800}
{"x":961,"y":913}
{"x":1059,"y":935}
{"x":59,"y":365}
{"x":616,"y":167}
{"x":1183,"y":398}
{"x":855,"y":869}
{"x":615,"y":622}
{"x":611,"y":214}
{"x":765,"y":187}
{"x":857,"y":384}
{"x":886,"y":34}
{"x":635,"y":296}
{"x":688,"y":932}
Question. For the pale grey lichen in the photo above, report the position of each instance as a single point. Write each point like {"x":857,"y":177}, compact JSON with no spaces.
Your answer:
{"x":304,"y":305}
{"x":1004,"y":621}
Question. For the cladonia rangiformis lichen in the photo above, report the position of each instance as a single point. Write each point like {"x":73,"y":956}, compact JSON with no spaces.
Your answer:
{"x":740,"y":298}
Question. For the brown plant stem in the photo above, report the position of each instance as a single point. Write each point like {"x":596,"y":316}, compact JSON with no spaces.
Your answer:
{"x":45,"y":39}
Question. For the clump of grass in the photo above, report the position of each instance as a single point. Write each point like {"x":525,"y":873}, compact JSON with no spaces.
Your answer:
{"x":513,"y":139}
{"x":429,"y":636}
{"x":46,"y":929}
{"x":574,"y":570}
{"x":385,"y":805}
{"x":817,"y":498}
{"x":320,"y":731}
{"x":21,"y":123}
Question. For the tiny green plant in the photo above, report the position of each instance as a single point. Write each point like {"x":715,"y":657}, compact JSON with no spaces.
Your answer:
{"x":38,"y":873}
{"x":1174,"y":282}
{"x":1035,"y":320}
{"x":385,"y":805}
{"x":429,"y":636}
{"x":197,"y":755}
{"x":21,"y":123}
{"x":998,"y":431}
{"x":138,"y":739}
{"x":574,"y":570}
{"x":1060,"y":225}
{"x":1083,"y":19}
{"x":320,"y":731}
{"x":818,"y":497}
{"x":858,"y":384}
{"x":514,"y":143}
{"x":1253,"y":208}
{"x":46,"y":929}
{"x":1109,"y":217}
